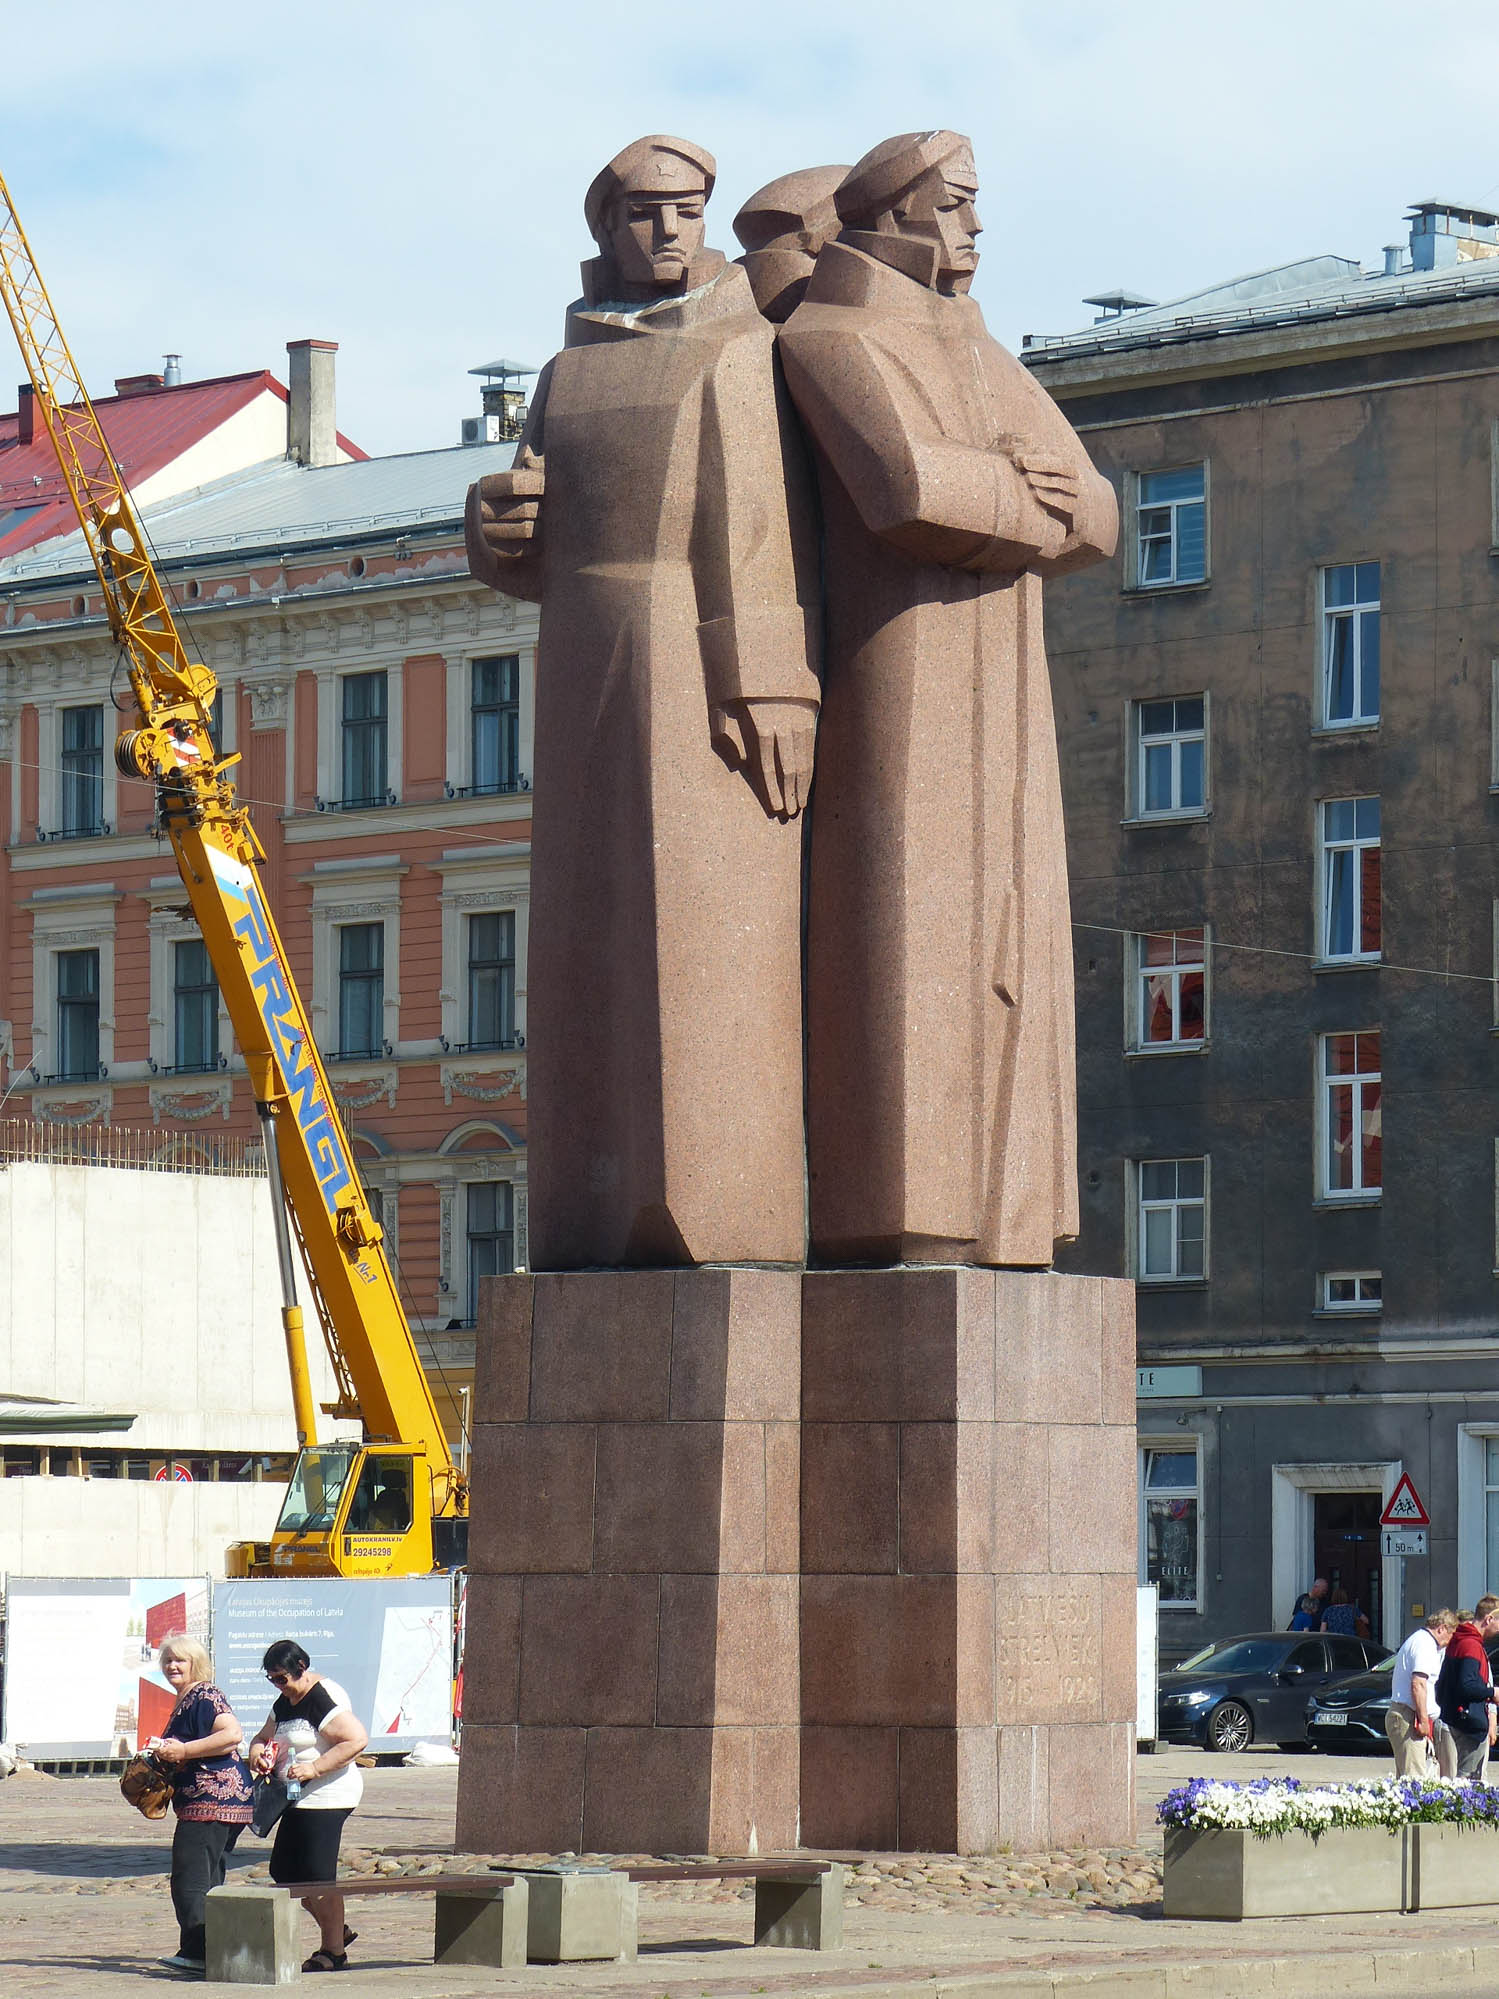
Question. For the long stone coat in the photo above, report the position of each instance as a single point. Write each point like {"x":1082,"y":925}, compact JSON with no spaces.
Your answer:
{"x":674,"y":564}
{"x":941,"y":1091}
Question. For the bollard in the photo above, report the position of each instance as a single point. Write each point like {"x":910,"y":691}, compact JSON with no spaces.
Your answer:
{"x":252,"y":1937}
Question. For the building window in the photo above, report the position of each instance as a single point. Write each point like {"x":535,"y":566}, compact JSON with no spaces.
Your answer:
{"x":1172,"y":741}
{"x":365,"y":730}
{"x":82,"y":772}
{"x":1172,"y":1219}
{"x":1350,"y":1291}
{"x":494,"y":723}
{"x":490,"y":1228}
{"x":1350,"y":879}
{"x":1168,"y":1526}
{"x":1350,"y":644}
{"x":195,"y":1007}
{"x":491,"y":980}
{"x":1170,"y":987}
{"x":1350,"y":1087}
{"x":1171,"y":517}
{"x":361,"y":990}
{"x":77,"y":1015}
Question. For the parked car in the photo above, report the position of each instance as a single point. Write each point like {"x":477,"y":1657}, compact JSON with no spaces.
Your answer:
{"x":1255,"y":1687}
{"x":1351,"y":1714}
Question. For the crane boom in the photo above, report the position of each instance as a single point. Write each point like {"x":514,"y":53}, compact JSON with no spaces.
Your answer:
{"x":380,"y":1375}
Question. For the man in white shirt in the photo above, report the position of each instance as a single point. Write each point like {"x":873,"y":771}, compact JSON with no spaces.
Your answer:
{"x":1411,"y":1721}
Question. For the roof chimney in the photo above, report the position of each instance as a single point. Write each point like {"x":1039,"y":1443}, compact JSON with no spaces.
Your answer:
{"x":26,"y":413}
{"x":1393,"y":252}
{"x":171,"y":372}
{"x":136,"y":385}
{"x":311,"y":426}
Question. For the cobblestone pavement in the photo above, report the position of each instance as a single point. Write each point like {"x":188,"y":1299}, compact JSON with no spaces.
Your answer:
{"x":84,"y":1910}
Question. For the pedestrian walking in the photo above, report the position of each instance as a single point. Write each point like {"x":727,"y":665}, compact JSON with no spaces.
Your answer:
{"x":199,"y":1749}
{"x":1411,"y":1719}
{"x":1465,"y":1686}
{"x":1344,"y":1616}
{"x":1307,"y":1613}
{"x":311,"y":1737}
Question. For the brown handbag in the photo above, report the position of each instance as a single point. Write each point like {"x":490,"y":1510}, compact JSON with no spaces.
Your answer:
{"x":146,"y":1786}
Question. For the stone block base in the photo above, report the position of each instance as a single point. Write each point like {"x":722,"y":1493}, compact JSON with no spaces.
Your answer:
{"x":631,"y":1667}
{"x":759,"y":1559}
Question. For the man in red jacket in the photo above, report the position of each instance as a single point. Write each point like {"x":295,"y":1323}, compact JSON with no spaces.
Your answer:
{"x":1465,"y":1687}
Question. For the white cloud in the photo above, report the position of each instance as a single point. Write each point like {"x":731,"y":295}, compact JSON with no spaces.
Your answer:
{"x":408,"y":179}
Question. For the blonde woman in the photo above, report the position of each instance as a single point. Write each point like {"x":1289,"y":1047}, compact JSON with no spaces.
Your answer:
{"x":211,"y":1790}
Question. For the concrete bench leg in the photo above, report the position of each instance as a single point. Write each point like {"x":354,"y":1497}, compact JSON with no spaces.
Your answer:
{"x":252,"y":1937}
{"x":801,"y":1915}
{"x":582,"y":1916}
{"x":475,"y":1929}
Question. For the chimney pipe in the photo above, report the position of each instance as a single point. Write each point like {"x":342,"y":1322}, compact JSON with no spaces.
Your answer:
{"x":311,"y":425}
{"x":1393,"y":252}
{"x":26,"y":413}
{"x":171,"y":371}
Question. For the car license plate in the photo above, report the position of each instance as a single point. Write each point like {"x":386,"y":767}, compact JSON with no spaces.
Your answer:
{"x":1331,"y":1717}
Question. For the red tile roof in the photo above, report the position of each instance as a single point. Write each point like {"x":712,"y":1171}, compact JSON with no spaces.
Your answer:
{"x":147,"y":430}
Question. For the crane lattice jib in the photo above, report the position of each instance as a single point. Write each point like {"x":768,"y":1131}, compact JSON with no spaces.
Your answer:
{"x":379,"y":1373}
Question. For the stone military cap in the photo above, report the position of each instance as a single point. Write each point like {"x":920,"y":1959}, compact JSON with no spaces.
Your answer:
{"x":654,"y":165}
{"x":873,"y":186}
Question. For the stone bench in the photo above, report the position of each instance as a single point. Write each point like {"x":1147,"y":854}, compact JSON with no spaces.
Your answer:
{"x":798,"y":1903}
{"x":253,"y":1927}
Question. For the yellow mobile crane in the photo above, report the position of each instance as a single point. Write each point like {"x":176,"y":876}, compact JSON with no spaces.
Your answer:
{"x":395,"y":1503}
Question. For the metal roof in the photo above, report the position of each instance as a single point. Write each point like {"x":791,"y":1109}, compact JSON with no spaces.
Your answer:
{"x":1309,"y":289}
{"x":147,"y":429}
{"x":283,"y":505}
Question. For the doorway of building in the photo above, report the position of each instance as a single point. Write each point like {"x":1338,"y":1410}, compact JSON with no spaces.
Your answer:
{"x":1346,"y":1549}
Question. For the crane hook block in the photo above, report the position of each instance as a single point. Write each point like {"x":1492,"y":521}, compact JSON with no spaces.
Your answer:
{"x":359,"y":1230}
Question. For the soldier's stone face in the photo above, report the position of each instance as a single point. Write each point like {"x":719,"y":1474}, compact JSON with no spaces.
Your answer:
{"x":940,"y":208}
{"x":654,"y":235}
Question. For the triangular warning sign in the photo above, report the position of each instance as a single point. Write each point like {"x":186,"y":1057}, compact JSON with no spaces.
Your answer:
{"x":1405,"y":1508}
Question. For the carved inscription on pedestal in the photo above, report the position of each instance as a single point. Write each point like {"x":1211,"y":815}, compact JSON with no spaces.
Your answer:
{"x":1049,"y":1649}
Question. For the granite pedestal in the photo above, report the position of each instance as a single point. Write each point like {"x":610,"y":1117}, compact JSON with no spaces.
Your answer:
{"x":763,"y":1558}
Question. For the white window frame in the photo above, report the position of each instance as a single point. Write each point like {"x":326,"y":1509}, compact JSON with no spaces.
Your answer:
{"x":354,"y":891}
{"x":1137,"y":1005}
{"x":170,"y":922}
{"x":1139,"y":506}
{"x":1358,"y":1195}
{"x":1182,"y":1444}
{"x":49,"y":773}
{"x":71,"y":919}
{"x":1176,"y":737}
{"x":1326,"y":613}
{"x":1473,"y":1490}
{"x":1138,"y":1210}
{"x":1350,"y":1308}
{"x":1327,"y":847}
{"x":484,"y":881}
{"x":460,"y":701}
{"x":330,"y":709}
{"x":462,"y":1194}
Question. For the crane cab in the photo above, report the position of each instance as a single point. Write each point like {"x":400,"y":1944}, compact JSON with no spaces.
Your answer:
{"x":356,"y":1510}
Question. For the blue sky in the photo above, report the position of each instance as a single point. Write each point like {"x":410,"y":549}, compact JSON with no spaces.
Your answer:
{"x":408,"y":180}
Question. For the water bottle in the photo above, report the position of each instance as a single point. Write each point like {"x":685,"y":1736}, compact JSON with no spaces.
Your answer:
{"x":299,"y":1739}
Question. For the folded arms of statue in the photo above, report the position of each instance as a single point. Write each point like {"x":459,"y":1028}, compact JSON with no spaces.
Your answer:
{"x":1026,"y":501}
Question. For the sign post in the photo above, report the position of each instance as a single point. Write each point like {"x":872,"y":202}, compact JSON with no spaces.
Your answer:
{"x":1404,"y":1523}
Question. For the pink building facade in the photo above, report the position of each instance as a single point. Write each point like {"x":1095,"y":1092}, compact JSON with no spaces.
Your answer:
{"x":381,"y":704}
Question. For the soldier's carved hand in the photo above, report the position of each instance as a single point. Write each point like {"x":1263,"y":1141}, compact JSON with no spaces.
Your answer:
{"x":1052,"y":479}
{"x":504,"y":508}
{"x":773,"y":741}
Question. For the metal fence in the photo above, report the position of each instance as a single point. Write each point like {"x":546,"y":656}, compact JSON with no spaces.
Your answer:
{"x":29,"y":1141}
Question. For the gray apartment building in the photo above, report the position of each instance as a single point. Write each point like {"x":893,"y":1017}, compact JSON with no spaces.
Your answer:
{"x":1279,"y":722}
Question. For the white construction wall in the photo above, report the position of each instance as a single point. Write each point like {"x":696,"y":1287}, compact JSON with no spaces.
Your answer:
{"x":156,"y":1294}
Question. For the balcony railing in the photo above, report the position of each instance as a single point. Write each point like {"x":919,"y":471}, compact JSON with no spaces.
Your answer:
{"x":382,"y":1053}
{"x":188,"y":1068}
{"x":376,"y":802}
{"x":501,"y":788}
{"x":96,"y":1074}
{"x":505,"y":1041}
{"x":99,"y":830}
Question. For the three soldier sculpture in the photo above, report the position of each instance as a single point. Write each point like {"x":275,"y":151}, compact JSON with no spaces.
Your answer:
{"x":790,"y":517}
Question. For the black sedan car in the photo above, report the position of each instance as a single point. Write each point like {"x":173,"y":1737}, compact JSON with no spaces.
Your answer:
{"x":1351,"y":1714}
{"x":1255,"y":1688}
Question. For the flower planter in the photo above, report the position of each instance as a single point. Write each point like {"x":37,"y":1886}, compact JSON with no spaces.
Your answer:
{"x":1453,"y":1867}
{"x":1226,"y":1874}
